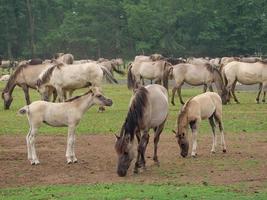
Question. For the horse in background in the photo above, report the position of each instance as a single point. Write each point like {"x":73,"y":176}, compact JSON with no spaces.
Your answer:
{"x":25,"y":76}
{"x":246,"y":74}
{"x":148,"y":109}
{"x":71,"y":77}
{"x":152,"y":70}
{"x":204,"y":106}
{"x":196,"y":75}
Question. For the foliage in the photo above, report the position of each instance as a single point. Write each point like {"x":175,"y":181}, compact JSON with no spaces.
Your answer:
{"x":124,"y":28}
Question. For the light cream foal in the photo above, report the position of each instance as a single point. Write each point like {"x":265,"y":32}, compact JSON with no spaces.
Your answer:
{"x":204,"y":106}
{"x":64,"y":114}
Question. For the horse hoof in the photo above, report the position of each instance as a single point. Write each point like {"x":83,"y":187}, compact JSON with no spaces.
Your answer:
{"x":213,"y":152}
{"x":224,"y":150}
{"x":69,"y":162}
{"x":136,"y":171}
{"x":173,"y":103}
{"x":75,"y":161}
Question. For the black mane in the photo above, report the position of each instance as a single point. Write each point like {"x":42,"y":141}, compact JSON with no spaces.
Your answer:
{"x":136,"y":112}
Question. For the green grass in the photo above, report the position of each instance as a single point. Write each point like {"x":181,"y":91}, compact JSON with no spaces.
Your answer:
{"x":129,"y":191}
{"x":245,"y":117}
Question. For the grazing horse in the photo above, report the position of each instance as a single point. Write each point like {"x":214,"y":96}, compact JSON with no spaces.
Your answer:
{"x":247,"y":74}
{"x":25,"y":76}
{"x":152,"y":70}
{"x":71,"y":77}
{"x":67,"y":114}
{"x":197,"y":75}
{"x":204,"y":106}
{"x":148,"y":109}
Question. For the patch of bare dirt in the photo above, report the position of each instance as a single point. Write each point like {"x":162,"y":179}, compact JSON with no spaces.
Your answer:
{"x":245,"y":161}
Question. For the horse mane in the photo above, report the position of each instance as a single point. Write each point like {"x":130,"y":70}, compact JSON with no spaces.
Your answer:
{"x":47,"y":74}
{"x":136,"y":112}
{"x":13,"y":77}
{"x":77,"y":97}
{"x":183,"y":111}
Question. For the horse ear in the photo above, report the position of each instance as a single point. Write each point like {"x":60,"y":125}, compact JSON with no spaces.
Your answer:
{"x":117,"y":137}
{"x":174,"y":131}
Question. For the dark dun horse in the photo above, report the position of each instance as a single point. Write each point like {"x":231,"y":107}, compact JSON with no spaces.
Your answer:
{"x":148,"y":109}
{"x":25,"y":76}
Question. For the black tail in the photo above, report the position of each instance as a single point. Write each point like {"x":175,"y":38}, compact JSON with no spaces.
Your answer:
{"x":166,"y":76}
{"x":108,"y":75}
{"x":117,"y":70}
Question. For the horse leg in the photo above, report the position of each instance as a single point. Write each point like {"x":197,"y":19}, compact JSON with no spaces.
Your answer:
{"x":179,"y":94}
{"x":70,"y":155}
{"x":214,"y":141}
{"x":26,"y":93}
{"x":29,"y":150}
{"x":31,"y":141}
{"x":233,"y":92}
{"x":61,"y":95}
{"x":218,"y":119}
{"x":158,"y":131}
{"x":210,"y":88}
{"x":263,"y":98}
{"x":174,"y":89}
{"x":140,"y":162}
{"x":259,"y":93}
{"x":264,"y":88}
{"x":205,"y":88}
{"x":193,"y":126}
{"x":54,"y":95}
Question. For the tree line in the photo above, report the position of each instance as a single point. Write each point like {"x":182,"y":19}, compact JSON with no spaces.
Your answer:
{"x":124,"y":28}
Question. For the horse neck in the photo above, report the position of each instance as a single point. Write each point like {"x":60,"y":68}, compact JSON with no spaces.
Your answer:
{"x":84,"y":103}
{"x":11,"y":84}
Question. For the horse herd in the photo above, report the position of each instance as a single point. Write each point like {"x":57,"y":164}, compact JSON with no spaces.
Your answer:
{"x":148,"y":108}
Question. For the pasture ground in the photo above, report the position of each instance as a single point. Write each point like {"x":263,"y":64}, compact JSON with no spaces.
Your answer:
{"x":241,"y":173}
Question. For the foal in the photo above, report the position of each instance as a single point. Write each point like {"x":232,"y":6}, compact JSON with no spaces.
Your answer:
{"x":204,"y":106}
{"x":64,"y":114}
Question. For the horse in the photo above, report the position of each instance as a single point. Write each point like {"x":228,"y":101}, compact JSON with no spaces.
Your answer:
{"x":152,"y":70}
{"x":204,"y":106}
{"x":246,"y":74}
{"x":64,"y":78}
{"x":67,"y":114}
{"x":197,"y":75}
{"x":25,"y":76}
{"x":64,"y":58}
{"x":148,"y":109}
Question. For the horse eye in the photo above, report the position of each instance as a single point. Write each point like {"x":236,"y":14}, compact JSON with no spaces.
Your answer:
{"x":98,"y":95}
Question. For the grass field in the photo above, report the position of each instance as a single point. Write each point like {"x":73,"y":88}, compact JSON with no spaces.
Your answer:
{"x":130,"y":191}
{"x":247,"y":117}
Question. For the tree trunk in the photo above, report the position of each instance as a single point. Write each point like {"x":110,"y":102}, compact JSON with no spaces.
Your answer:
{"x":31,"y":26}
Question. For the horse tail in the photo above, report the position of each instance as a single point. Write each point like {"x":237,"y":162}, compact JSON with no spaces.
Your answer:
{"x":165,"y":78}
{"x":130,"y":77}
{"x":24,"y":110}
{"x":117,"y":70}
{"x":108,"y":75}
{"x":171,"y":72}
{"x":225,"y":81}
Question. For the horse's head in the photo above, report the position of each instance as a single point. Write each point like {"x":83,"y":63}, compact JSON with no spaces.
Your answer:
{"x":99,"y":98}
{"x":7,"y":100}
{"x":125,"y":152}
{"x":182,"y":141}
{"x":43,"y":90}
